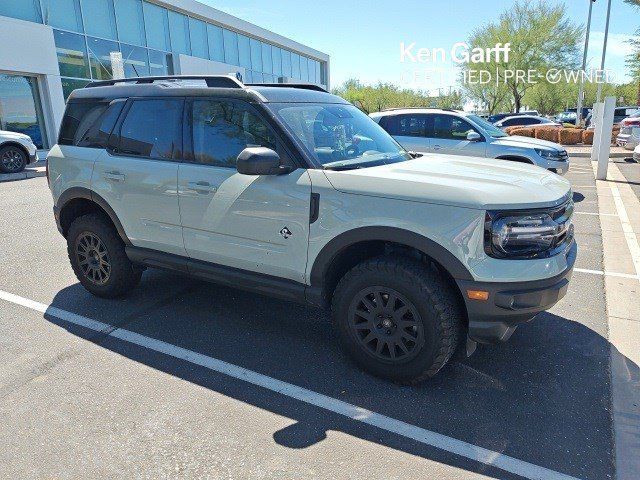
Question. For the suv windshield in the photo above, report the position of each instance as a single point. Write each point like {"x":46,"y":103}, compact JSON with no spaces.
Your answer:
{"x":339,"y":137}
{"x":488,"y":128}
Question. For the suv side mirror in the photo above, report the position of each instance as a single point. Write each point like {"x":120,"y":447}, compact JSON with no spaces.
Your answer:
{"x":260,"y":161}
{"x":474,"y":137}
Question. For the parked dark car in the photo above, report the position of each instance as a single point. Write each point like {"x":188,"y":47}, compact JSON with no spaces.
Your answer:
{"x":525,"y":121}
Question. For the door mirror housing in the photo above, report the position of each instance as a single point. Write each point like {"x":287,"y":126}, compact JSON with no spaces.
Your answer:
{"x":474,"y":137}
{"x":260,"y":161}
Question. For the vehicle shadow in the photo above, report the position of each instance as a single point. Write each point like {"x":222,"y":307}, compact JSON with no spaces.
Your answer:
{"x":543,"y":398}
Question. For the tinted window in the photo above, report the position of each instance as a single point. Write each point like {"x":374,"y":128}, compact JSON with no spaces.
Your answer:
{"x":451,"y":127}
{"x":216,"y":45}
{"x":72,"y":54}
{"x":23,"y":9}
{"x":222,"y":129}
{"x":78,"y":118}
{"x":98,"y":133}
{"x":152,"y":128}
{"x":406,"y":125}
{"x":130,"y":21}
{"x":101,"y":22}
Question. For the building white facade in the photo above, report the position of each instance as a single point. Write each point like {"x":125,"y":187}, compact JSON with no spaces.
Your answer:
{"x":50,"y":47}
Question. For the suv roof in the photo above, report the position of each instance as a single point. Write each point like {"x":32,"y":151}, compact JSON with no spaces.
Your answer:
{"x":204,"y":85}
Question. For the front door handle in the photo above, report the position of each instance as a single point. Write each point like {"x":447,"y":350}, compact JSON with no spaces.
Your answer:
{"x":114,"y":176}
{"x":202,"y":187}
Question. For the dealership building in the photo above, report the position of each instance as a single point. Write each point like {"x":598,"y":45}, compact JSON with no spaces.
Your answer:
{"x":48,"y":48}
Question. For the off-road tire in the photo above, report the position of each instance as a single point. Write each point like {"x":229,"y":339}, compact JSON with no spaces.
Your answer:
{"x":433,"y":298}
{"x":123,"y":275}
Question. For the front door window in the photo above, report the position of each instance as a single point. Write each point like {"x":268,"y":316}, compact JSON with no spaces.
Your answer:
{"x":20,"y":107}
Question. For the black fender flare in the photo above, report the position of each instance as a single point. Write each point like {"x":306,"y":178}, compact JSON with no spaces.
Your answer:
{"x":74,"y":193}
{"x":388,"y":234}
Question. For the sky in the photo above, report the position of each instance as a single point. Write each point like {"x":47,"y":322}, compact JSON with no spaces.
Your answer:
{"x":363,"y":37}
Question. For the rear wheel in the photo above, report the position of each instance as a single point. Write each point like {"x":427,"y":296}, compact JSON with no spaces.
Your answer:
{"x":12,"y":159}
{"x":397,"y":318}
{"x":98,"y":257}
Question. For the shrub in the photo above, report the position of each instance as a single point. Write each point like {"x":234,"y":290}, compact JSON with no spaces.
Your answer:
{"x":587,"y":137}
{"x":509,"y":130}
{"x":522,"y":131}
{"x":570,"y":136}
{"x":548,"y":133}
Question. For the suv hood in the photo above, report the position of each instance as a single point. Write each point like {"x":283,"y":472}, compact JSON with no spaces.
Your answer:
{"x":518,"y":141}
{"x":470,"y":182}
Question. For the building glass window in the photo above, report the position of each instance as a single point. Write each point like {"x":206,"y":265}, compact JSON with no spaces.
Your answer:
{"x":134,"y":61}
{"x":71,"y":84}
{"x":216,"y":43}
{"x":99,"y":18}
{"x":179,"y":32}
{"x":157,"y":26}
{"x":276,"y":56}
{"x":72,"y":54}
{"x":130,"y":21}
{"x":22,"y":9}
{"x":64,"y":14}
{"x":304,"y":69}
{"x":318,"y":72}
{"x":160,"y":63}
{"x":199,"y":43}
{"x":286,"y":63}
{"x":256,"y":55}
{"x":20,"y":107}
{"x":295,"y":66}
{"x":104,"y":59}
{"x":267,"y":60}
{"x":231,"y":42}
{"x":244,"y":51}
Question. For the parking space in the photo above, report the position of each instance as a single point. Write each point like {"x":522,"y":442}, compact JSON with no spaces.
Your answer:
{"x":89,"y":401}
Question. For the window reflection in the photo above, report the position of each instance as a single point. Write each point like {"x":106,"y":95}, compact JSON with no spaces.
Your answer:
{"x":105,"y":59}
{"x":72,"y":54}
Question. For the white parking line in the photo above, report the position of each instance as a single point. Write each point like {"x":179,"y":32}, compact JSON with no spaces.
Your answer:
{"x":359,"y":414}
{"x":596,"y":214}
{"x":608,"y":274}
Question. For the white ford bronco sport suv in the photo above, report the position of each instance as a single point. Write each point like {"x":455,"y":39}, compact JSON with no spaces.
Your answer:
{"x":289,"y":191}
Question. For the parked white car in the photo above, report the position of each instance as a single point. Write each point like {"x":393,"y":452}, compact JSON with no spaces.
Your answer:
{"x":16,"y":151}
{"x":453,"y":132}
{"x":526,"y":121}
{"x":636,"y":154}
{"x":629,"y":136}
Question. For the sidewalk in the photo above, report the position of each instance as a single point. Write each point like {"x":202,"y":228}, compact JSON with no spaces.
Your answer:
{"x":619,"y":213}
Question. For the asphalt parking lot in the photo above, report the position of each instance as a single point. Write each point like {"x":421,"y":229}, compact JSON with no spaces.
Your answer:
{"x":86,"y":402}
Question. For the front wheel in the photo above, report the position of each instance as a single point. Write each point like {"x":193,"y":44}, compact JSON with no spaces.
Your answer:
{"x":397,"y":318}
{"x":12,"y":159}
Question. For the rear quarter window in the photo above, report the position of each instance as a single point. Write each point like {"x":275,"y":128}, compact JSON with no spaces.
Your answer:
{"x":88,"y":124}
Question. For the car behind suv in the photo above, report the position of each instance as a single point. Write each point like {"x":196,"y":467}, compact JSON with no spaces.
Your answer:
{"x":17,"y":150}
{"x":292,"y":192}
{"x":459,"y":133}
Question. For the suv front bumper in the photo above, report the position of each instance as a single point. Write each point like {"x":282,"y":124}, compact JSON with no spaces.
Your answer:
{"x":509,"y":304}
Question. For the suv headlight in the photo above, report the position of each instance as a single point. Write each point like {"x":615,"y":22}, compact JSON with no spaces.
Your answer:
{"x":532,"y":234}
{"x":548,"y":153}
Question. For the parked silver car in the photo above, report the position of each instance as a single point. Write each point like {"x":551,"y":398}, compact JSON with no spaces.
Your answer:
{"x":629,"y":136}
{"x":458,"y":133}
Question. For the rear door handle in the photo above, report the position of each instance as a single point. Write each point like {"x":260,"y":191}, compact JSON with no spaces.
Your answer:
{"x":202,"y":187}
{"x":437,"y":147}
{"x":114,"y":176}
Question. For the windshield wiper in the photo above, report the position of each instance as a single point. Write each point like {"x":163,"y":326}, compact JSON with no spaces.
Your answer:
{"x":341,"y":166}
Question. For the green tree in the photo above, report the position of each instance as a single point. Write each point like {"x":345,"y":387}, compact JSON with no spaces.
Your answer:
{"x":633,"y":60}
{"x":541,"y":37}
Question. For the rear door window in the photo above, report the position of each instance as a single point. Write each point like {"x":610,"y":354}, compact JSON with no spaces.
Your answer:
{"x":152,"y":128}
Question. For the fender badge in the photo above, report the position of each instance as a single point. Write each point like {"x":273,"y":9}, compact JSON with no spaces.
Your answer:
{"x":285,"y":232}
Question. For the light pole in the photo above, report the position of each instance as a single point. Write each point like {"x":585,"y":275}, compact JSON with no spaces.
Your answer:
{"x":604,"y":50}
{"x":584,"y":66}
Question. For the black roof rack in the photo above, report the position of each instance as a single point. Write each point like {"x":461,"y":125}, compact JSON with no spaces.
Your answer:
{"x":212,"y":81}
{"x":304,"y":86}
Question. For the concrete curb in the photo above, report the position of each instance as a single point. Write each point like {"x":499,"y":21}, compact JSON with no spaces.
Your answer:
{"x":28,"y":173}
{"x":611,"y":155}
